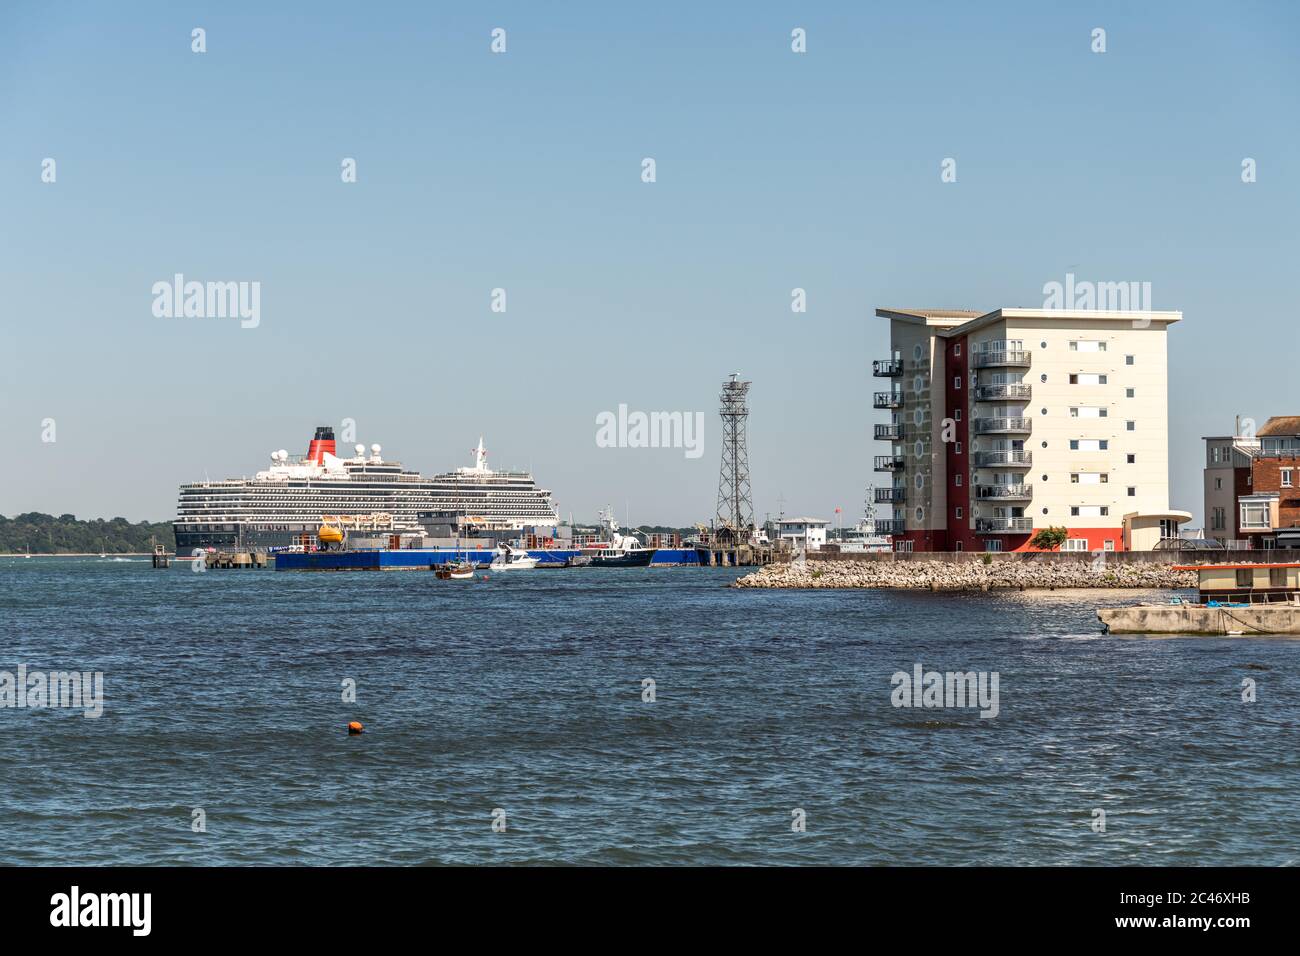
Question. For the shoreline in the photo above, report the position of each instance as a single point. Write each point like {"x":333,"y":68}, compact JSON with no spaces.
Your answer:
{"x":76,"y":554}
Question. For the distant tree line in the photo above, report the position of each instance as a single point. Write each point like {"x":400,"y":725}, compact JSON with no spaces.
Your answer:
{"x":46,"y":534}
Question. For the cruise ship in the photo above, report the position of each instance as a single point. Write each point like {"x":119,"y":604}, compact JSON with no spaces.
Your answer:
{"x":285,"y":505}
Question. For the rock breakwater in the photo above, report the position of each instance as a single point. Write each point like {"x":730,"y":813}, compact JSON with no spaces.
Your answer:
{"x":968,"y":576}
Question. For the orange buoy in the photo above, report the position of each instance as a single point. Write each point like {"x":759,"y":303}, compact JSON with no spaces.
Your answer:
{"x":354,"y":727}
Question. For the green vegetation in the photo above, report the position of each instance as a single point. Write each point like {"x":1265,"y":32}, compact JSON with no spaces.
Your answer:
{"x":46,"y":534}
{"x":1049,"y":539}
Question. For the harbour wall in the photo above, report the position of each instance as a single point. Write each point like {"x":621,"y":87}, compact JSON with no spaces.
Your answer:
{"x":1199,"y":619}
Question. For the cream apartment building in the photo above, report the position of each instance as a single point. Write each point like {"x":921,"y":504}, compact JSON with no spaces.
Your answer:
{"x":1005,"y":422}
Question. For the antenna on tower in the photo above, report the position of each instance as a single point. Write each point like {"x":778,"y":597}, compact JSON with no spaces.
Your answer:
{"x":735,"y":500}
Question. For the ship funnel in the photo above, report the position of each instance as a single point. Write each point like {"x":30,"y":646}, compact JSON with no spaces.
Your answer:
{"x":321,"y":445}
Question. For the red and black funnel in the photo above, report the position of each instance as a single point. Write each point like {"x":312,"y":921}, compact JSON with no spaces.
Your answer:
{"x":321,"y":444}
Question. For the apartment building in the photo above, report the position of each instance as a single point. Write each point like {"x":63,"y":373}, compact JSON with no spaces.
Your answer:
{"x":1006,"y":422}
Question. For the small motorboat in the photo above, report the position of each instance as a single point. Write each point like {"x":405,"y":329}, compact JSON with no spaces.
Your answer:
{"x":512,"y":559}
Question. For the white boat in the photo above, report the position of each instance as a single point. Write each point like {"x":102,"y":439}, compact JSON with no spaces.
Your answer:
{"x":512,"y":559}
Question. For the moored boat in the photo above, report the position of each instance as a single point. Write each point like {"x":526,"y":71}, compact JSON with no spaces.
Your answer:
{"x":512,"y":559}
{"x":454,"y":571}
{"x":627,"y":558}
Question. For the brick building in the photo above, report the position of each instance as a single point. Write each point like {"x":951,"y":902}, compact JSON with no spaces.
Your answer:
{"x":1269,"y":514}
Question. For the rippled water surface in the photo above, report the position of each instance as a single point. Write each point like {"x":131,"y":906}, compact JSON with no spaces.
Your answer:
{"x":524,"y":693}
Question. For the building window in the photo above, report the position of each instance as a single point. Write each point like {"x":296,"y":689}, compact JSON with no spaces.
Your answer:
{"x":957,"y":415}
{"x":956,"y":349}
{"x":993,"y":544}
{"x":1128,"y":360}
{"x":1131,"y":458}
{"x":1286,"y":477}
{"x":1108,"y":545}
{"x":1129,"y":392}
{"x":958,"y":451}
{"x":957,"y":546}
{"x":1218,"y":484}
{"x":1245,"y":577}
{"x":957,"y":479}
{"x":958,"y":511}
{"x":1132,"y":491}
{"x":1218,"y":520}
{"x":956,"y":382}
{"x":1075,"y":544}
{"x":1255,"y":515}
{"x":1277,"y":577}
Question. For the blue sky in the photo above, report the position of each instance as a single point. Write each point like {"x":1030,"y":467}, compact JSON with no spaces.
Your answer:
{"x":522,"y":171}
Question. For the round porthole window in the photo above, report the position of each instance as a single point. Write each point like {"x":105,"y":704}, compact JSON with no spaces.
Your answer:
{"x":1044,"y":411}
{"x":1043,"y":377}
{"x":920,"y":514}
{"x":920,"y":449}
{"x":920,"y":482}
{"x":1044,"y":444}
{"x":917,"y":352}
{"x":1044,"y":511}
{"x":918,"y":385}
{"x":1042,"y":345}
{"x":1044,"y":477}
{"x":918,"y":416}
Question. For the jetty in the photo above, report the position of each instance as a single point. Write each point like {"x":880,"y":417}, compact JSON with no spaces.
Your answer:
{"x":1234,"y":600}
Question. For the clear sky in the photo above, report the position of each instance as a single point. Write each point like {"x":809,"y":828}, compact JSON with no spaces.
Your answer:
{"x":522,"y":171}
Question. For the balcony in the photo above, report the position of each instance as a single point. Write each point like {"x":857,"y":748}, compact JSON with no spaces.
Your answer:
{"x":1015,"y":391}
{"x":890,"y":526}
{"x":896,"y":494}
{"x":1001,"y":358}
{"x":889,"y":432}
{"x":1003,"y":492}
{"x":887,"y":368}
{"x":890,"y":463}
{"x":1007,"y":459}
{"x":890,"y":399}
{"x":1004,"y":525}
{"x":999,"y":426}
